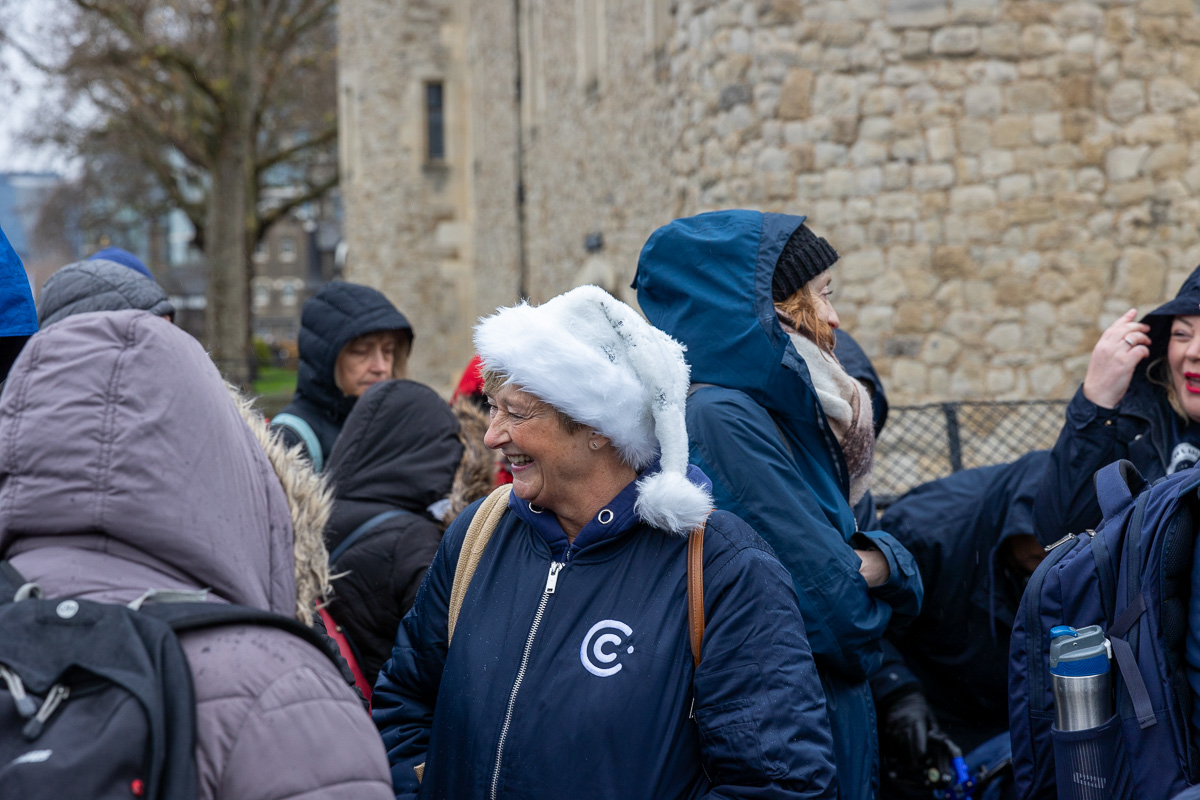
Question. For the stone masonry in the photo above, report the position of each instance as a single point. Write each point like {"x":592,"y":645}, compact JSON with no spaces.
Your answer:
{"x":1003,"y":178}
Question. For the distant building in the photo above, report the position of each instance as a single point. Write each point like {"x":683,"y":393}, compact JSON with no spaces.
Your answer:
{"x":1002,"y":178}
{"x":23,"y":196}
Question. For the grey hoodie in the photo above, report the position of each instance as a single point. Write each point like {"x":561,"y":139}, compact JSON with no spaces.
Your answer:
{"x":126,"y":465}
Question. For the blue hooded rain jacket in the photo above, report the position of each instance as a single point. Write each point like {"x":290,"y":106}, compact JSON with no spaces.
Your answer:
{"x":758,"y":431}
{"x":570,"y":674}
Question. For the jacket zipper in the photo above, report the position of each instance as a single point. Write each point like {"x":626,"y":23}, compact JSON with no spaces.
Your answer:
{"x":551,"y":584}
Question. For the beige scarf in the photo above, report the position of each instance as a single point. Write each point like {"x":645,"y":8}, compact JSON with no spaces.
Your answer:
{"x":847,"y":405}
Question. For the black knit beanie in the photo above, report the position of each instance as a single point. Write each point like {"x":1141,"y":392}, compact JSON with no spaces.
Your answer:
{"x":804,"y":257}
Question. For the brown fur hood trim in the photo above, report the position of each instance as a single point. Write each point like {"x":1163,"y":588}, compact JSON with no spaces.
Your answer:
{"x":310,"y":500}
{"x":476,"y":474}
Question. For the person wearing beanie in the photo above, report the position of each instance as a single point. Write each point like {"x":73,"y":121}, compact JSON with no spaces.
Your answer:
{"x":351,"y":338}
{"x":100,"y":285}
{"x":785,"y":436}
{"x":123,"y":257}
{"x":571,"y":672}
{"x":1140,"y":401}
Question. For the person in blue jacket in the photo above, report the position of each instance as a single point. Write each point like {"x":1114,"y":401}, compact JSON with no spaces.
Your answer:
{"x":971,"y":534}
{"x":18,"y":317}
{"x":759,"y":430}
{"x":570,"y":673}
{"x":1140,"y":400}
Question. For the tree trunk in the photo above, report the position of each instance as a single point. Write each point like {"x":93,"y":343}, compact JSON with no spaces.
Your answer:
{"x":231,"y":209}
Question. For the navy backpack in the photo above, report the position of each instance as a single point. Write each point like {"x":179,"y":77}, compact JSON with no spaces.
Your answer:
{"x":1131,"y":576}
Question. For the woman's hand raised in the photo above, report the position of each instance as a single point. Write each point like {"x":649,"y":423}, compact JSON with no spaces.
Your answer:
{"x":1117,"y":353}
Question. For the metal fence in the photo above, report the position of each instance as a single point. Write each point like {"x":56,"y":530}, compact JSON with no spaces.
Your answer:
{"x":922,"y":443}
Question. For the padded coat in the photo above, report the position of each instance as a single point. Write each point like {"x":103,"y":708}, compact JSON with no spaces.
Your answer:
{"x":125,"y":465}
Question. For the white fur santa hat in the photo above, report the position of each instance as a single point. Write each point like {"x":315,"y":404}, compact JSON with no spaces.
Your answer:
{"x":596,"y":360}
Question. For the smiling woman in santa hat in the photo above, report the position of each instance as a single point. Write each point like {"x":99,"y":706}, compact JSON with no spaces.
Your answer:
{"x":571,"y":672}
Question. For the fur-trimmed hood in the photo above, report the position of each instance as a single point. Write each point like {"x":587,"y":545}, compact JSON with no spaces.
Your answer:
{"x":126,"y":465}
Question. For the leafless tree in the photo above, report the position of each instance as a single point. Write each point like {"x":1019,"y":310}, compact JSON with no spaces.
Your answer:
{"x":224,"y":109}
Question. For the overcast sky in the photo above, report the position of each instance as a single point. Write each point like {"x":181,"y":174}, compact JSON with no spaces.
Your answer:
{"x":20,"y":87}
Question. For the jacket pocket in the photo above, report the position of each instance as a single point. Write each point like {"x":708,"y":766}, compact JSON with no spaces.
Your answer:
{"x":731,"y":737}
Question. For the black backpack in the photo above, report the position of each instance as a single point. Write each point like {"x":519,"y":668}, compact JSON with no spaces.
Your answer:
{"x":96,"y":699}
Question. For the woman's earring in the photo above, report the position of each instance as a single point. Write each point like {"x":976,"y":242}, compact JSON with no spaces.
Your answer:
{"x":595,"y":445}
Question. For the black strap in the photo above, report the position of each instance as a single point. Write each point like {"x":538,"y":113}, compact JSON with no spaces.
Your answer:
{"x":1127,"y":663}
{"x":364,"y":529}
{"x":184,"y":617}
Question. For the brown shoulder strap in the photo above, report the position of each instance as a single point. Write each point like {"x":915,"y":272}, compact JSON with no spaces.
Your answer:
{"x":486,"y":518}
{"x":695,"y":591}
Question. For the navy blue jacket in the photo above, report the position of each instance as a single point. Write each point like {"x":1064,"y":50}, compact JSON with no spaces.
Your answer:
{"x":331,"y":318}
{"x":758,"y":431}
{"x":581,"y":685}
{"x":1142,"y":429}
{"x":956,"y":650}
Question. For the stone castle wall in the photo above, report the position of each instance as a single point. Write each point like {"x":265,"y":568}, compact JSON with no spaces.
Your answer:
{"x":1002,"y":177}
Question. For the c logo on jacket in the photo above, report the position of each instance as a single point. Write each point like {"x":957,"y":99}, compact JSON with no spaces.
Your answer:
{"x":594,"y":647}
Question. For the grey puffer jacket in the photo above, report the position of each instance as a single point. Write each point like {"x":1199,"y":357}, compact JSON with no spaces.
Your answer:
{"x":126,"y":465}
{"x":99,"y":285}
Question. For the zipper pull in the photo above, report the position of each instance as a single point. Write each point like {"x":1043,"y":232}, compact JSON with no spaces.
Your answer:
{"x":1060,"y":542}
{"x":552,"y":578}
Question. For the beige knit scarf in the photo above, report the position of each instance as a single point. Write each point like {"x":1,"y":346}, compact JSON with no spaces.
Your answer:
{"x":847,"y":405}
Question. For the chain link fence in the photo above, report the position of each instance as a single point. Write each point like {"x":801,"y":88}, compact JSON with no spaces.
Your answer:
{"x":923,"y":443}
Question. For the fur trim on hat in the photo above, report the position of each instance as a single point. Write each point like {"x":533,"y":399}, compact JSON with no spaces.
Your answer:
{"x":310,"y":500}
{"x":596,"y":360}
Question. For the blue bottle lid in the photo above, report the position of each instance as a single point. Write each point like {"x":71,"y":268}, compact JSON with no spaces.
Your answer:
{"x":1078,"y":652}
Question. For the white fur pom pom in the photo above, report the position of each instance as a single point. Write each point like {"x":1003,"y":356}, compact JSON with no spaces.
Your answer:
{"x":668,"y":500}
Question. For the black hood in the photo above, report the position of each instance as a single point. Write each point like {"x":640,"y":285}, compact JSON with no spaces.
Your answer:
{"x":858,"y":366}
{"x":1185,"y":304}
{"x":398,"y":448}
{"x":330,"y":319}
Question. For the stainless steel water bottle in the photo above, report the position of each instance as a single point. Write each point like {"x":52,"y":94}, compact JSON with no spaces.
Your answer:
{"x":1079,"y":673}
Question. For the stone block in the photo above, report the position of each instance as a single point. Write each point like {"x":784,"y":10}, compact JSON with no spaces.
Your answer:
{"x":951,"y":261}
{"x":828,"y":154}
{"x":859,"y":209}
{"x":796,"y":94}
{"x":1012,"y":131}
{"x":734,"y":95}
{"x":1140,"y":275}
{"x":1014,"y":187}
{"x":1078,"y":123}
{"x":896,"y":177}
{"x":1090,"y":179}
{"x":1026,"y":97}
{"x":1125,"y":163}
{"x":910,"y":148}
{"x":780,"y":12}
{"x":839,"y":182}
{"x":969,"y":199}
{"x":999,"y":380}
{"x":1151,"y":129}
{"x":974,"y":136}
{"x":841,"y":34}
{"x":940,"y":349}
{"x":974,"y":10}
{"x":881,"y":101}
{"x":1001,"y":41}
{"x":939,"y":143}
{"x":1125,"y":100}
{"x":844,"y":129}
{"x":917,"y":13}
{"x":1047,"y":128}
{"x":868,"y":182}
{"x":955,"y":40}
{"x":897,"y":205}
{"x":915,"y":44}
{"x":1039,"y":41}
{"x":994,"y":163}
{"x":908,"y":378}
{"x":1179,"y":8}
{"x":929,"y":177}
{"x":865,"y":153}
{"x":1035,"y":209}
{"x":1128,"y":193}
{"x":860,"y":266}
{"x":983,"y":101}
{"x":1080,"y":16}
{"x":903,"y":75}
{"x":1167,"y":161}
{"x":835,"y":94}
{"x":1169,"y":94}
{"x":1005,"y":337}
{"x":877,"y":129}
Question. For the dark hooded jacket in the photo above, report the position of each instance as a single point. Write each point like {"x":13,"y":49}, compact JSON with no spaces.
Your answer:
{"x":1143,"y":428}
{"x":757,"y":428}
{"x":956,"y":650}
{"x":125,"y":465}
{"x":331,"y":318}
{"x":852,"y":358}
{"x":398,"y":451}
{"x":100,"y":285}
